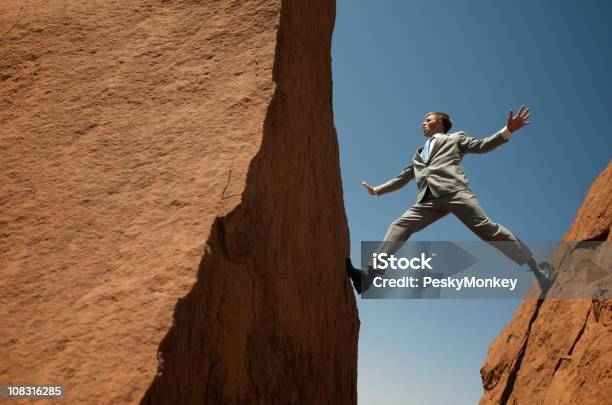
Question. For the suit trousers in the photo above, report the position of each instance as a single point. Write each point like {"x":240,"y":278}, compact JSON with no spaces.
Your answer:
{"x":464,"y":205}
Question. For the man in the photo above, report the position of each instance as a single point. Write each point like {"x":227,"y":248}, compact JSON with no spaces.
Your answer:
{"x":443,"y":189}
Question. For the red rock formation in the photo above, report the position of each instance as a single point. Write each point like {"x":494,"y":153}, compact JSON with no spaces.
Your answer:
{"x":559,"y":351}
{"x":176,"y":150}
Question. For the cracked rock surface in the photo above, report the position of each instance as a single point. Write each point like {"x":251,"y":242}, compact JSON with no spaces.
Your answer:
{"x":557,"y":352}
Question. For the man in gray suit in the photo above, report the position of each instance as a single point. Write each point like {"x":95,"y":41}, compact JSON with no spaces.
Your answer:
{"x":443,"y":188}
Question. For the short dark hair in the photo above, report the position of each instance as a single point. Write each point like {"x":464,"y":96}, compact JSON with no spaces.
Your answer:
{"x":446,"y":121}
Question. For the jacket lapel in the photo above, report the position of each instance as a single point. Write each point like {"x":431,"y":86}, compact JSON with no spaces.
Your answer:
{"x":417,"y":156}
{"x":440,"y":140}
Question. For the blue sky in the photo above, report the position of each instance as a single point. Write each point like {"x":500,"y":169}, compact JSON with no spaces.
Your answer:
{"x":393,"y":61}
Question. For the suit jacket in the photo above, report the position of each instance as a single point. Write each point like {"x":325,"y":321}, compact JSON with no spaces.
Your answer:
{"x":442,"y":173}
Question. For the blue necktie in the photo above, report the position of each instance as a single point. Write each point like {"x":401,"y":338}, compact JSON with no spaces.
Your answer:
{"x":425,"y":153}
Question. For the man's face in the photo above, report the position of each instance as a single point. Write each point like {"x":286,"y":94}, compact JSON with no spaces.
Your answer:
{"x":432,"y":124}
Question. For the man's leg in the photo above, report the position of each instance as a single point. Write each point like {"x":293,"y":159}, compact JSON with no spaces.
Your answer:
{"x":466,"y":207}
{"x":415,"y":219}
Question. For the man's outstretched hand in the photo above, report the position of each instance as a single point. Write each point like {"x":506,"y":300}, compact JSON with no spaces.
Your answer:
{"x":518,"y":121}
{"x":369,"y":188}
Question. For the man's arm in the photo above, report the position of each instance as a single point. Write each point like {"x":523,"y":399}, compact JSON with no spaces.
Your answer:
{"x":513,"y":124}
{"x":394,"y":184}
{"x":468,"y":144}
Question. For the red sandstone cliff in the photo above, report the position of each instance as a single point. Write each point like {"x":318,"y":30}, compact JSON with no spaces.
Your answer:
{"x":557,"y":352}
{"x":170,"y":182}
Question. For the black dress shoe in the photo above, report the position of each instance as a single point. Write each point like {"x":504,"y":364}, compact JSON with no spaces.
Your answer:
{"x":354,"y":274}
{"x":545,"y":274}
{"x":362,"y":280}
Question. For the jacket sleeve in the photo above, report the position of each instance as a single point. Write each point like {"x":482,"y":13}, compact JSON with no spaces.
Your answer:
{"x":472,"y":145}
{"x":400,"y":181}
